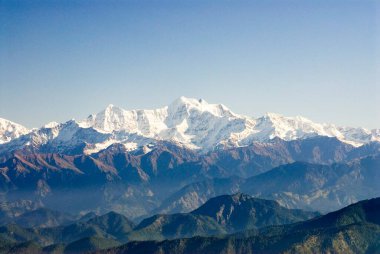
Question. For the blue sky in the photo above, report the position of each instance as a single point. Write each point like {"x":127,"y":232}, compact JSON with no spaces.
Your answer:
{"x":66,"y":59}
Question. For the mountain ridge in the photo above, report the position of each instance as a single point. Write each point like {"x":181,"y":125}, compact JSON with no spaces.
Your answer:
{"x":192,"y":123}
{"x":136,"y":182}
{"x":353,"y":229}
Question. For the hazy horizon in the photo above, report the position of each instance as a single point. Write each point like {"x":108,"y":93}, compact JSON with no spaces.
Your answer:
{"x":64,"y":60}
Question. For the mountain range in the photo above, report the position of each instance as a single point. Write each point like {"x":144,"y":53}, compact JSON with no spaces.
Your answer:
{"x":182,"y":155}
{"x":177,"y":174}
{"x":225,"y":224}
{"x":353,"y":229}
{"x":192,"y":123}
{"x":230,"y":213}
{"x":170,"y":179}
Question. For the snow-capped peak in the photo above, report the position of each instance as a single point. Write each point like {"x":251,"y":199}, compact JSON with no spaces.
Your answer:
{"x":10,"y":130}
{"x":113,"y":119}
{"x":152,"y":121}
{"x":193,"y":123}
{"x":200,"y":105}
{"x":50,"y":125}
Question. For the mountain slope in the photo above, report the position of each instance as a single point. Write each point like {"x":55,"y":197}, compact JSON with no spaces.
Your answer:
{"x":306,"y":185}
{"x":141,"y":183}
{"x":89,"y":244}
{"x":219,"y":215}
{"x":354,"y":229}
{"x":160,"y":227}
{"x":313,"y":186}
{"x":111,"y":226}
{"x":241,"y":212}
{"x":196,"y":194}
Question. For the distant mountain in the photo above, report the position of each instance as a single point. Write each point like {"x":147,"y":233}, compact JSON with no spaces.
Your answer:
{"x":28,"y":214}
{"x":10,"y":130}
{"x":324,"y":187}
{"x":177,"y":169}
{"x":167,"y":178}
{"x":259,"y":157}
{"x":112,"y":179}
{"x":314,"y":186}
{"x":43,"y":217}
{"x":354,"y":229}
{"x":141,"y":162}
{"x":10,"y":210}
{"x":196,"y":194}
{"x":192,"y":123}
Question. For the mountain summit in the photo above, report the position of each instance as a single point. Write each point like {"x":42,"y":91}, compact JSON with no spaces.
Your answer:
{"x":10,"y":130}
{"x":192,"y":123}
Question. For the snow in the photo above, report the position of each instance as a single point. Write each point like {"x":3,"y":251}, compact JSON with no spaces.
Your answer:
{"x":10,"y":130}
{"x":192,"y":123}
{"x":50,"y":125}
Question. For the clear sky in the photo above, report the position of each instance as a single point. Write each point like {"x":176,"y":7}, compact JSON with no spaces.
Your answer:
{"x":66,"y":59}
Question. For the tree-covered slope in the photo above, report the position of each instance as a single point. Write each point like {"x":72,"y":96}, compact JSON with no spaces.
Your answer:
{"x":354,"y":229}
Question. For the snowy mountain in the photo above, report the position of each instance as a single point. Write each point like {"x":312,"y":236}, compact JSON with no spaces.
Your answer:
{"x":10,"y":130}
{"x":192,"y":123}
